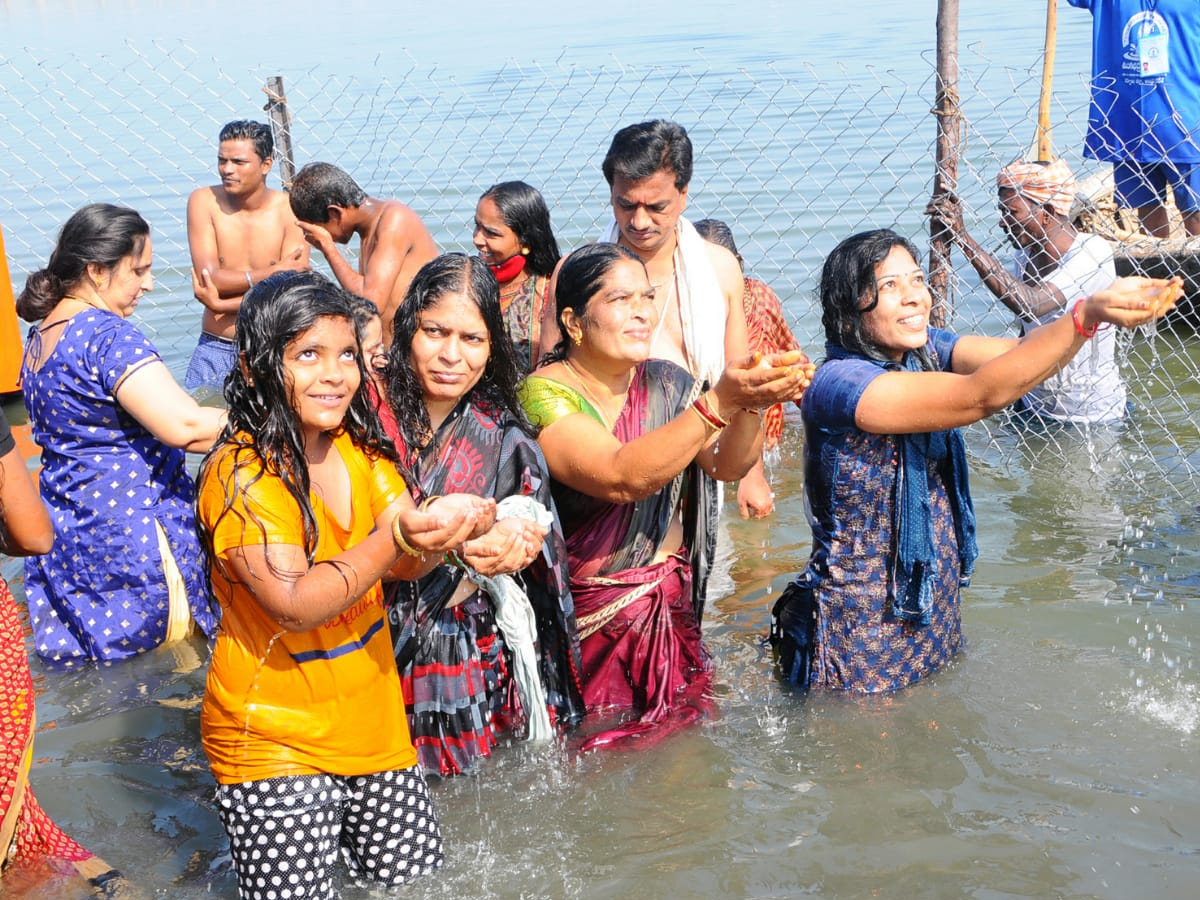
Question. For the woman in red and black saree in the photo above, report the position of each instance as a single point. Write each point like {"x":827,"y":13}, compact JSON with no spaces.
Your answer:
{"x":478,"y":656}
{"x":623,"y":435}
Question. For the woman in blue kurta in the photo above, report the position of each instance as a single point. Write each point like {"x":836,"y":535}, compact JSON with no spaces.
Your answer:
{"x":877,"y":607}
{"x":113,"y":425}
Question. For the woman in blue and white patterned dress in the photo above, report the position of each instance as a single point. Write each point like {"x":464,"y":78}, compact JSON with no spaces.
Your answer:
{"x":885,"y":476}
{"x":124,"y":574}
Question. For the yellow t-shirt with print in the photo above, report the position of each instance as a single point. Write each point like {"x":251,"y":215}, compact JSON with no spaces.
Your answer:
{"x":326,"y":700}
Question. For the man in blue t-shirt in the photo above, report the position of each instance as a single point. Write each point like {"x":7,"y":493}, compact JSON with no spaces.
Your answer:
{"x":1144,"y":115}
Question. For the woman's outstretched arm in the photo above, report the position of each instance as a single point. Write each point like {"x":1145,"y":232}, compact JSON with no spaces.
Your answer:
{"x":988,"y":374}
{"x":584,"y":455}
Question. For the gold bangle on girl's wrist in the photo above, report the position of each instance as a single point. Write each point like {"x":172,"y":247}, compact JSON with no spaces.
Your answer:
{"x":398,"y":537}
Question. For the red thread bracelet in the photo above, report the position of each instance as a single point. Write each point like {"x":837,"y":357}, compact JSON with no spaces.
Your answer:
{"x":1079,"y":329}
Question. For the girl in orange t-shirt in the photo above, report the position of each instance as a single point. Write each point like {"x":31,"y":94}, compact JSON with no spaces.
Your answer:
{"x":302,"y":511}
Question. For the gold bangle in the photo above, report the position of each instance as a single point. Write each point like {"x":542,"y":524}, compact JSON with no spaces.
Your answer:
{"x":709,"y":425}
{"x":706,"y":408}
{"x":428,"y":501}
{"x":398,"y":537}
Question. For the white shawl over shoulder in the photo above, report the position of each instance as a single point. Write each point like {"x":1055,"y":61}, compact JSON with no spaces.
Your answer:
{"x":701,"y":304}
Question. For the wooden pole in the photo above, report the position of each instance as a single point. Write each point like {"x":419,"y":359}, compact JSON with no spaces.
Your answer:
{"x":281,"y":129}
{"x":945,"y":177}
{"x":1045,"y":147}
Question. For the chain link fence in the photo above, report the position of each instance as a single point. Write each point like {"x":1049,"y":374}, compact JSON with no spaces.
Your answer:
{"x":794,"y":159}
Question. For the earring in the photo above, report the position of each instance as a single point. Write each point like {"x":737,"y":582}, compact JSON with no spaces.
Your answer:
{"x":577,"y":340}
{"x":524,"y":251}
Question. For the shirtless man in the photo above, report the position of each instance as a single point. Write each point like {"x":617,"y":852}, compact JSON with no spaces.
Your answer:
{"x":698,"y":285}
{"x":239,"y":232}
{"x":395,"y":243}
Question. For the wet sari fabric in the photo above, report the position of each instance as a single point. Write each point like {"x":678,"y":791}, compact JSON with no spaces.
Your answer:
{"x":27,"y":831}
{"x":456,"y":674}
{"x":638,"y":623}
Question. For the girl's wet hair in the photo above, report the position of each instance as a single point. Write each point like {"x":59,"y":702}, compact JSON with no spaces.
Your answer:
{"x":848,"y":289}
{"x":98,"y":234}
{"x":263,"y":428}
{"x":579,"y":279}
{"x":525,"y":212}
{"x":496,"y":390}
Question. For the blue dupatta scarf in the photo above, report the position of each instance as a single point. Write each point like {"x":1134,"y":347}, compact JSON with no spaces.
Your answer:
{"x":911,"y":590}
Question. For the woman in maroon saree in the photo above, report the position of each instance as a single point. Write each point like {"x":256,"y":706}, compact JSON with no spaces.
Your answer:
{"x":621,"y":434}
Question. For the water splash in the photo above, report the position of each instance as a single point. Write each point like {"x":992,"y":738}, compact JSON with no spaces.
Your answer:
{"x":1177,"y":707}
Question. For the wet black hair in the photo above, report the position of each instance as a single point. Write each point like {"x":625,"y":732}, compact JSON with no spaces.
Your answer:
{"x":320,"y":185}
{"x":496,"y":390}
{"x":97,"y":234}
{"x":263,"y":431}
{"x":248,"y":130}
{"x":364,"y":311}
{"x":525,"y":212}
{"x":848,"y":289}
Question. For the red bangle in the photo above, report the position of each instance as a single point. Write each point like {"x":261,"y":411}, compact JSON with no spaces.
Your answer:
{"x":1079,"y":329}
{"x":707,"y":414}
{"x":715,"y":414}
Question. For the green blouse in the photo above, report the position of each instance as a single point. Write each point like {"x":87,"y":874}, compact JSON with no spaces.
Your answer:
{"x":546,"y":400}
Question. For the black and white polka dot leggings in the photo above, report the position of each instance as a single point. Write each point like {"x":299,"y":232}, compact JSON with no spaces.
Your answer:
{"x":284,"y":833}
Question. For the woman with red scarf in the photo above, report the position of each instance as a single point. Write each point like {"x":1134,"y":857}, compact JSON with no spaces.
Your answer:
{"x":513,"y":236}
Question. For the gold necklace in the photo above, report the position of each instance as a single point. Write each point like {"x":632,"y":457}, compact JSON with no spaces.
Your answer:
{"x":662,"y":313}
{"x":596,"y":400}
{"x":85,"y":302}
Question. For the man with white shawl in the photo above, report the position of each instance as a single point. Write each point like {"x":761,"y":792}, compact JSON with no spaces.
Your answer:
{"x":698,"y":285}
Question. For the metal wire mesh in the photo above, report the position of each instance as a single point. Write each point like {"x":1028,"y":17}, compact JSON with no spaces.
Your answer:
{"x":795,"y":160}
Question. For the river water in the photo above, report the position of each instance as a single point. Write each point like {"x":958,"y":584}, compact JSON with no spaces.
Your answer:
{"x":1056,"y":758}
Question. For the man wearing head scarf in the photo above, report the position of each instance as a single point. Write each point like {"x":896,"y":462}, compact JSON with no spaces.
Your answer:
{"x":1053,"y":267}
